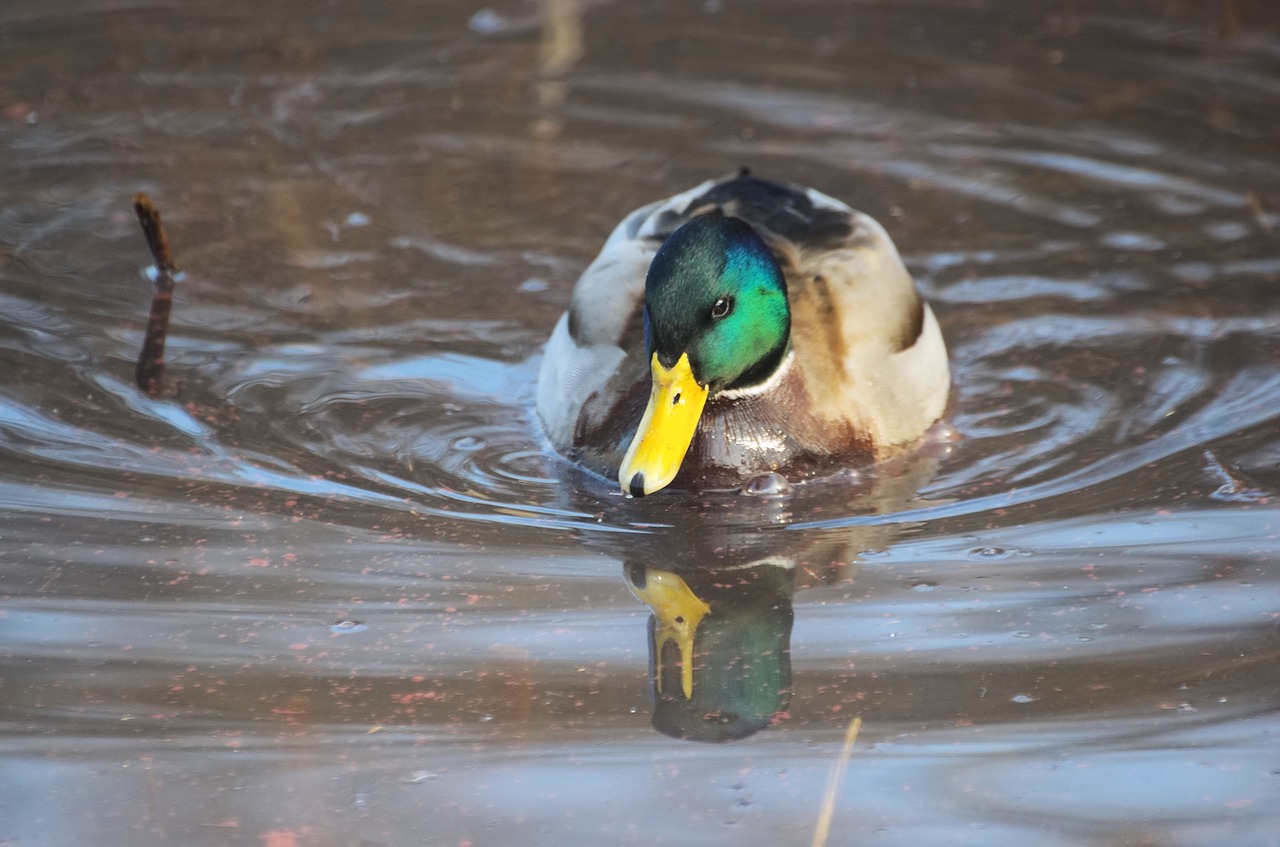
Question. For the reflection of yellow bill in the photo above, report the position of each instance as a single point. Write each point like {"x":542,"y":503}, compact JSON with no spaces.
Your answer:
{"x":677,"y":611}
{"x":665,"y":431}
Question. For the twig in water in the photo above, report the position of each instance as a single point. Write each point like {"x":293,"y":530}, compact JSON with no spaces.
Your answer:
{"x":163,"y":274}
{"x":823,"y":828}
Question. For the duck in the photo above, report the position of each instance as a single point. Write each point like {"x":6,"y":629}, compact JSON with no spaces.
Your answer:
{"x":741,"y":329}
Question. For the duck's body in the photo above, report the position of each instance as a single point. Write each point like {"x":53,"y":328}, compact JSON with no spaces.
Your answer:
{"x":859,"y":373}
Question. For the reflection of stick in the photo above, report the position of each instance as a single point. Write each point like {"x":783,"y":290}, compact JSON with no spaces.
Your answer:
{"x":833,"y":784}
{"x":151,"y":359}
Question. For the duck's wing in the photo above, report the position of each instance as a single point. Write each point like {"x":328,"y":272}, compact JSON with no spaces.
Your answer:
{"x":867,"y":344}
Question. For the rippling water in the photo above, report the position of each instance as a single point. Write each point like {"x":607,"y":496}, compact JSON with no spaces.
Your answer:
{"x":333,"y":587}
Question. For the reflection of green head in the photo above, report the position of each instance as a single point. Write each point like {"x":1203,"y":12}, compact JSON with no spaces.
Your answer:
{"x":742,"y":677}
{"x":721,"y":670}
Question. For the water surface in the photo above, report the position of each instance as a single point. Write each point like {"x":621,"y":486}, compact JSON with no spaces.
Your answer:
{"x":332,"y":586}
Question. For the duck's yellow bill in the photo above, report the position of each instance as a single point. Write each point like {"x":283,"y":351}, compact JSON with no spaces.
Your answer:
{"x":665,"y":431}
{"x":677,"y":612}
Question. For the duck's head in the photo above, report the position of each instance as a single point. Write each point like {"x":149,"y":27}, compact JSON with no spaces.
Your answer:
{"x":716,"y":319}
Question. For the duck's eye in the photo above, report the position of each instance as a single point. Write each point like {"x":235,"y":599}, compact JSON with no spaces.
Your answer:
{"x":721,"y":307}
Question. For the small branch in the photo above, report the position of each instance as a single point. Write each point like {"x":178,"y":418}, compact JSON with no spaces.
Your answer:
{"x":163,"y":273}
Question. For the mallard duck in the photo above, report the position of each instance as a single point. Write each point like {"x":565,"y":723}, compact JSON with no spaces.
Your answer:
{"x":741,"y":328}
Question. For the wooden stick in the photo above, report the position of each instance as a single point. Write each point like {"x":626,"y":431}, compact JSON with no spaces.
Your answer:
{"x":823,"y":828}
{"x":151,"y":359}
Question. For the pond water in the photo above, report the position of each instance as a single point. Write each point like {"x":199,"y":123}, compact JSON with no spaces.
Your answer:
{"x":332,"y":587}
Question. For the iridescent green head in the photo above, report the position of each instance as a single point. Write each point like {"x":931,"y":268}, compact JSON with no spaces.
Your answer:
{"x":715,"y":292}
{"x":715,"y":318}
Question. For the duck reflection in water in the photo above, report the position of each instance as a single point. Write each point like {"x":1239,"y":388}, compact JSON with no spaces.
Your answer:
{"x":719,"y":648}
{"x":719,"y":580}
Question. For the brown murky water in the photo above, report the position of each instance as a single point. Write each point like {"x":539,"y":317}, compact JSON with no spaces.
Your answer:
{"x":332,"y":588}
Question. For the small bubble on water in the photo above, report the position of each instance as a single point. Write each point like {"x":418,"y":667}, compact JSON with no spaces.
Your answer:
{"x":1023,"y":698}
{"x":767,"y":485}
{"x":345,"y":627}
{"x":534,"y":285}
{"x":1022,"y":634}
{"x":989,"y":553}
{"x":922,"y":585}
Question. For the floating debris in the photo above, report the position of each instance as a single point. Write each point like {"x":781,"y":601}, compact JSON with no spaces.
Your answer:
{"x":1236,"y":487}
